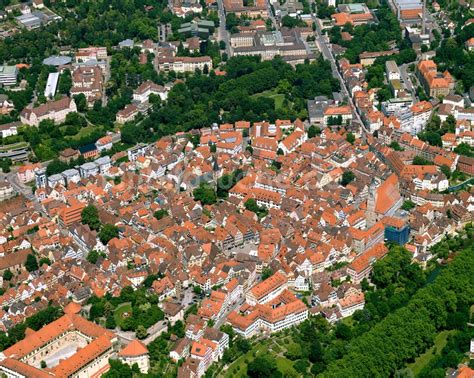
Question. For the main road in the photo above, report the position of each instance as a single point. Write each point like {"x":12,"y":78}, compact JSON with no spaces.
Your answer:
{"x":322,"y":43}
{"x":222,"y":33}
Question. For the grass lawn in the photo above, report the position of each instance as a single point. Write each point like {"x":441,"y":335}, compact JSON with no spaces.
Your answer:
{"x":85,"y":131}
{"x":239,"y":367}
{"x":279,"y":98}
{"x":276,"y":348}
{"x":120,"y":310}
{"x":422,"y":360}
{"x":286,"y":367}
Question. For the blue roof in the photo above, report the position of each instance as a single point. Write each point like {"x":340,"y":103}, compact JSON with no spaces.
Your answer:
{"x":87,"y":148}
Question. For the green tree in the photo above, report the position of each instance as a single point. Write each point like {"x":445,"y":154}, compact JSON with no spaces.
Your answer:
{"x":347,"y":177}
{"x":408,"y":205}
{"x":31,"y":263}
{"x":56,"y":166}
{"x":313,"y":131}
{"x":396,"y":146}
{"x":263,"y":367}
{"x":65,"y":82}
{"x":252,"y":206}
{"x":205,"y":194}
{"x":293,"y":352}
{"x":418,"y":160}
{"x":110,"y":322}
{"x":141,"y":332}
{"x":7,"y":275}
{"x":343,"y":331}
{"x":44,"y":260}
{"x":92,"y":256}
{"x":81,"y":102}
{"x":120,"y":370}
{"x":335,"y":121}
{"x":5,"y":164}
{"x":446,"y":170}
{"x":350,"y":138}
{"x":108,"y":232}
{"x":464,"y":149}
{"x":197,"y":290}
{"x":266,"y":272}
{"x":90,"y":216}
{"x":160,"y":214}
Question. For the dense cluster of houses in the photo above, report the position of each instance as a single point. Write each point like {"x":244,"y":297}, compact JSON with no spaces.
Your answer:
{"x":317,"y":237}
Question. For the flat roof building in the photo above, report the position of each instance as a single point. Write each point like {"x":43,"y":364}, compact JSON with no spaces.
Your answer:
{"x":51,"y":85}
{"x":56,"y":60}
{"x":8,"y":75}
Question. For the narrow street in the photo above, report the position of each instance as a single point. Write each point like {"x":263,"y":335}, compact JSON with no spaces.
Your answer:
{"x":407,"y":80}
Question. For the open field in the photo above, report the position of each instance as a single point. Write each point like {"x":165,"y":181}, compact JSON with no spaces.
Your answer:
{"x":279,"y":98}
{"x":424,"y":359}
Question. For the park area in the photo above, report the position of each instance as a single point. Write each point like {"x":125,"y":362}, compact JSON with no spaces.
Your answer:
{"x":272,"y":94}
{"x":279,"y":349}
{"x":122,"y":312}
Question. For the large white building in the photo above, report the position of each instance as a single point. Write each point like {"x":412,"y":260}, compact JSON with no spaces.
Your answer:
{"x":184,"y":63}
{"x":143,"y":92}
{"x":84,"y":346}
{"x":282,"y":312}
{"x":267,"y":290}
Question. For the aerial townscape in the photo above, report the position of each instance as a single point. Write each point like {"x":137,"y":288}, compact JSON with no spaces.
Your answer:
{"x":236,"y":188}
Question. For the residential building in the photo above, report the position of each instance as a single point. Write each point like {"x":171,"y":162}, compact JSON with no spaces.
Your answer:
{"x":26,"y":173}
{"x":361,"y":266}
{"x":91,"y":54}
{"x":9,"y":129}
{"x":391,"y":70}
{"x":127,"y":114}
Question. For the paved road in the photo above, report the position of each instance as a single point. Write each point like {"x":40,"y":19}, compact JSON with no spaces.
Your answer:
{"x":235,"y":306}
{"x":17,"y":186}
{"x":153,"y":332}
{"x":407,"y":80}
{"x":272,"y":16}
{"x":222,"y":33}
{"x":322,"y":43}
